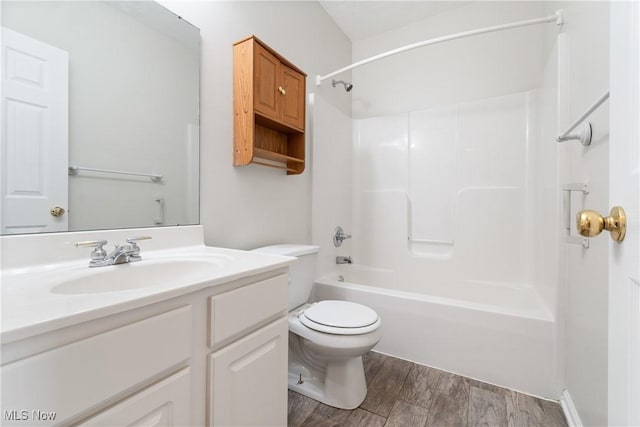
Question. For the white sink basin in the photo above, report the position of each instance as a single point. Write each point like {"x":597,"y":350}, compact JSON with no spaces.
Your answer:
{"x":142,"y":274}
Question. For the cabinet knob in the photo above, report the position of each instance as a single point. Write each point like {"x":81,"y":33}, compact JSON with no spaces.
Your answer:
{"x":282,"y":91}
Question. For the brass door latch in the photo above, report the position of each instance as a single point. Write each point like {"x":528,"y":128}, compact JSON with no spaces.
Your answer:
{"x":591,"y":223}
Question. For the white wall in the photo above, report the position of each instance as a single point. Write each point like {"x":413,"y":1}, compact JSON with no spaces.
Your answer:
{"x":133,"y":93}
{"x":581,"y":55}
{"x":332,"y":180}
{"x":246,"y":207}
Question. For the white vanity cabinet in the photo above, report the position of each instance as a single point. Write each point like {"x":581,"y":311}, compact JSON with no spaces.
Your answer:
{"x":247,"y":379}
{"x":217,"y":356}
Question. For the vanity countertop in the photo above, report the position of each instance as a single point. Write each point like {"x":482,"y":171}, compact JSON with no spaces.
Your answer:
{"x":38,"y":299}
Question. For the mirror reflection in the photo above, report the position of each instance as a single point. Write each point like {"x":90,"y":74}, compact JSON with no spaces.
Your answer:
{"x":100,"y":116}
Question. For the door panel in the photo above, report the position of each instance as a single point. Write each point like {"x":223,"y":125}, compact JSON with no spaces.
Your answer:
{"x":35,"y":91}
{"x":624,"y":190}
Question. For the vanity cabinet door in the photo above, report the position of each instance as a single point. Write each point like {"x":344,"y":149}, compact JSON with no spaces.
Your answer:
{"x":167,"y":403}
{"x":248,"y":379}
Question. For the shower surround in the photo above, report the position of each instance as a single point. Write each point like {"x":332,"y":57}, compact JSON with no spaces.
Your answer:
{"x":448,"y":191}
{"x":445,"y":240}
{"x":448,"y":183}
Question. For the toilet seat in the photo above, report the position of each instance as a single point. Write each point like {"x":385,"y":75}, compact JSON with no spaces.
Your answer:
{"x":339,"y":318}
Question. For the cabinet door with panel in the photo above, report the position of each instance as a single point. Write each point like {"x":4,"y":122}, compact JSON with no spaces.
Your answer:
{"x":292,"y":92}
{"x":248,"y":379}
{"x":164,"y":404}
{"x":266,"y":79}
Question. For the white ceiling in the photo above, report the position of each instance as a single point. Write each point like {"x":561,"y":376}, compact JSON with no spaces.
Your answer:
{"x":360,"y":19}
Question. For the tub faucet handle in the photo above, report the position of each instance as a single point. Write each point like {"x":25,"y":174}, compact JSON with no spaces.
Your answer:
{"x":339,"y":236}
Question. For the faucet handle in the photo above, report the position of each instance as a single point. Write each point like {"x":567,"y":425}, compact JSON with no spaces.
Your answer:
{"x":133,"y":241}
{"x":98,"y":252}
{"x":90,"y":244}
{"x":136,"y":239}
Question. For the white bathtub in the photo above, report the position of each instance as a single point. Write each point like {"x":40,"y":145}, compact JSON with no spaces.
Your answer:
{"x":495,"y":333}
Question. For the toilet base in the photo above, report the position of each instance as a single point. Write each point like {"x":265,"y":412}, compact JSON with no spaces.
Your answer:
{"x":343,"y":386}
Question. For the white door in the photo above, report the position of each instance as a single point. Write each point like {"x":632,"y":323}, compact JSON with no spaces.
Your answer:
{"x":35,"y":110}
{"x":624,"y":186}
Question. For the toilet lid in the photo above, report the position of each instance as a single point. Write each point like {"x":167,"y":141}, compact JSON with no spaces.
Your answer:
{"x":341,"y":314}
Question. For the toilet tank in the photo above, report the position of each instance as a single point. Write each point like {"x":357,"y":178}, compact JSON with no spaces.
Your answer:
{"x":302,"y":272}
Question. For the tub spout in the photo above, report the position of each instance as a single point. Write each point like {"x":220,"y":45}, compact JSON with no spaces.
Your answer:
{"x":344,"y":260}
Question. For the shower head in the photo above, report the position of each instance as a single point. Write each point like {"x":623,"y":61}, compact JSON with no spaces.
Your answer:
{"x":347,"y":86}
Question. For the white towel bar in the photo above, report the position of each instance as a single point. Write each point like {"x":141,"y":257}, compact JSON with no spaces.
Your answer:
{"x":74,"y":169}
{"x":584,"y":135}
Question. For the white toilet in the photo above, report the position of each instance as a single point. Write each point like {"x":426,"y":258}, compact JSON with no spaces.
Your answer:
{"x":326,"y":339}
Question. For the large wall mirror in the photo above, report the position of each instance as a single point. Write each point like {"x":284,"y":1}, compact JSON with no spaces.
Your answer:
{"x":100,"y":116}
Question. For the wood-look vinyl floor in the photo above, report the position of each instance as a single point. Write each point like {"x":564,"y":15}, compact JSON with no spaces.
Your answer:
{"x":402,"y":393}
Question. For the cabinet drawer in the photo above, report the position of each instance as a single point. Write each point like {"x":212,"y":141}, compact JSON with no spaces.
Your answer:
{"x":240,"y":310}
{"x":78,"y":376}
{"x":167,"y":403}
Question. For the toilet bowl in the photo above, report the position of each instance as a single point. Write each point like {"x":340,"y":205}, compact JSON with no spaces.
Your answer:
{"x":327,"y":366}
{"x":327,"y":338}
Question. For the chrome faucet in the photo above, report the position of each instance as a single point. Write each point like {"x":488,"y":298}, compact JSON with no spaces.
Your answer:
{"x":344,"y":260}
{"x":128,"y":252}
{"x":339,"y":236}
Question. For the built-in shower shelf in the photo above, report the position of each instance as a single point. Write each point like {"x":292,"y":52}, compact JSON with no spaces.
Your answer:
{"x":269,"y":95}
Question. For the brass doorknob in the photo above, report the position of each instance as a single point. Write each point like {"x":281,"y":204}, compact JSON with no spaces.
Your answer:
{"x":57,"y":211}
{"x":591,"y":223}
{"x":282,"y":90}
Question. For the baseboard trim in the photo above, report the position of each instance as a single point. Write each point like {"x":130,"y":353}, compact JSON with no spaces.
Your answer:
{"x":569,"y":409}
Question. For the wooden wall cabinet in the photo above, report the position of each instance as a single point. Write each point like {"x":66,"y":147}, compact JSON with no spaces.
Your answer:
{"x":269,"y":96}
